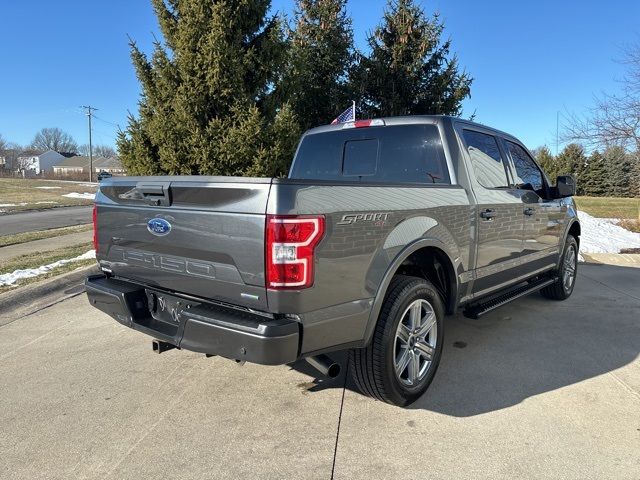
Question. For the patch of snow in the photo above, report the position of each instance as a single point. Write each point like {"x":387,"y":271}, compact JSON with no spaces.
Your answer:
{"x":90,"y":185}
{"x":13,"y":204}
{"x":602,"y":235}
{"x":44,"y":203}
{"x":13,"y":277}
{"x":83,"y":196}
{"x":48,"y":188}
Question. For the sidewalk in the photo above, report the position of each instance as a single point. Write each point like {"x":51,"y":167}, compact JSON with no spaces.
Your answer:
{"x":44,"y":245}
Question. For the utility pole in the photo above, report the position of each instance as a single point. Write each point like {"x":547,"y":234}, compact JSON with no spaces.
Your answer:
{"x":89,"y":112}
{"x":557,"y":130}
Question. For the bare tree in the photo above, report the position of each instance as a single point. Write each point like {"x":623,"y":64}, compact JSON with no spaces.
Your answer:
{"x":98,"y":151}
{"x":3,"y":143}
{"x":614,"y":119}
{"x":54,"y":139}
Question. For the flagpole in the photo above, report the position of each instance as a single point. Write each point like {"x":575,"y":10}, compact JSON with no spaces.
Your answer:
{"x":354,"y":110}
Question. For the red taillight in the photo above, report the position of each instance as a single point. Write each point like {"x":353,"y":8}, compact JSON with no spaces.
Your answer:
{"x":290,"y":243}
{"x":95,"y":228}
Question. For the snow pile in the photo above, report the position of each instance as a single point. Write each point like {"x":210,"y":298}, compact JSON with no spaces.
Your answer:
{"x":48,"y":188}
{"x":83,"y":196}
{"x":602,"y":235}
{"x":13,"y":277}
{"x":45,"y":203}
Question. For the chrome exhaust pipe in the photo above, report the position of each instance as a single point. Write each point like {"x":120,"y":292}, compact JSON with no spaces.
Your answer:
{"x":324,"y":365}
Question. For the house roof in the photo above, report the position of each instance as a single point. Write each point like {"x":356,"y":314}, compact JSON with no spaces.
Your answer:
{"x":78,"y":161}
{"x":31,"y":153}
{"x":111,"y":162}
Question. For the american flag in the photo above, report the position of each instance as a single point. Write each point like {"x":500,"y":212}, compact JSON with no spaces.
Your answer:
{"x":349,"y":115}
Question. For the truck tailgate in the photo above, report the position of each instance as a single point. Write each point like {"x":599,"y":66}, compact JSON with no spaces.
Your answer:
{"x":198,"y":235}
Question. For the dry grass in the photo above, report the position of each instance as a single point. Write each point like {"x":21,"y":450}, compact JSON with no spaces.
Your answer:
{"x":610,"y":207}
{"x":7,"y":240}
{"x":53,"y":273}
{"x":36,"y":259}
{"x":23,"y":194}
{"x":631,"y":225}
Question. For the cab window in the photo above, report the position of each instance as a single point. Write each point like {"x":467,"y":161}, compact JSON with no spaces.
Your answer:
{"x":526,"y":172}
{"x":486,"y":160}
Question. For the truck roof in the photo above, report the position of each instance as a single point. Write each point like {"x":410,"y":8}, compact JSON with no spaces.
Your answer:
{"x":412,"y":120}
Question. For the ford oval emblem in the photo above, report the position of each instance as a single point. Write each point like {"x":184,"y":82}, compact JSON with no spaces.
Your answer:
{"x":159,"y":227}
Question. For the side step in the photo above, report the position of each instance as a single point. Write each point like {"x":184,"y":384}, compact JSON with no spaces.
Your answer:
{"x":476,"y":310}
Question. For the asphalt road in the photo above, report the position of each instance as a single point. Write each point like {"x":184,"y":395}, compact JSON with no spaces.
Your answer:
{"x":537,"y":389}
{"x":44,"y":219}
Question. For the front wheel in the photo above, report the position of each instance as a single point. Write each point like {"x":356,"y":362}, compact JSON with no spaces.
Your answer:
{"x":401,"y":360}
{"x":562,"y":288}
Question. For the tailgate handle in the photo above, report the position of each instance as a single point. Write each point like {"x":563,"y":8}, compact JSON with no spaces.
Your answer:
{"x":155,"y":194}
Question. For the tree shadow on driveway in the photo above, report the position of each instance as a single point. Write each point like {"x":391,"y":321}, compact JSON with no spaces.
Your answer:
{"x":531,"y":346}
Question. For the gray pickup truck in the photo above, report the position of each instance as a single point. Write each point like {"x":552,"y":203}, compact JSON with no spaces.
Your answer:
{"x":382,"y":228}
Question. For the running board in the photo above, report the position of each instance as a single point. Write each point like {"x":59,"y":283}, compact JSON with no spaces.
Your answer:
{"x":476,"y":310}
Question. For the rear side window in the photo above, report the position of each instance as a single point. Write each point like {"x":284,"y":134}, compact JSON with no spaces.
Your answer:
{"x":486,"y":160}
{"x":526,"y":170}
{"x":394,"y":154}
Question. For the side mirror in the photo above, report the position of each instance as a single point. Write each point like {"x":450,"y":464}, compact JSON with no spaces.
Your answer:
{"x":565,"y":186}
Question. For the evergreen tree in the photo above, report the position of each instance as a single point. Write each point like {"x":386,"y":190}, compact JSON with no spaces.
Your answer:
{"x":619,"y":171}
{"x":205,"y":90}
{"x":596,"y":182}
{"x":409,"y":70}
{"x":546,"y":160}
{"x":635,"y":176}
{"x":572,"y":160}
{"x":320,"y":57}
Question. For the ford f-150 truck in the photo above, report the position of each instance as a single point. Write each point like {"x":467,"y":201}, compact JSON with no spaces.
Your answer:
{"x":382,"y":228}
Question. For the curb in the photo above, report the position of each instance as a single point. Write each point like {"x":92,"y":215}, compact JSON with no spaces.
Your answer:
{"x":36,"y":296}
{"x":620,"y":259}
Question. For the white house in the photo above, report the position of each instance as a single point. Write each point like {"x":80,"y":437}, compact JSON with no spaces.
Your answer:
{"x":37,"y":162}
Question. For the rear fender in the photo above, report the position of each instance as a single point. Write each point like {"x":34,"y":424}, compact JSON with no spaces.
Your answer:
{"x":455,"y":269}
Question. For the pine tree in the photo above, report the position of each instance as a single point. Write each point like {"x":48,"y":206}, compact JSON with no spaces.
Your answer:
{"x":546,"y":160}
{"x":572,"y":160}
{"x":320,"y":57}
{"x":635,"y":176}
{"x":409,"y":70}
{"x":619,"y":169}
{"x":596,"y":182}
{"x":205,"y":90}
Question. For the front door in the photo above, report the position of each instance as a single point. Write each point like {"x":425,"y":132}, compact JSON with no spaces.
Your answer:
{"x":499,"y":213}
{"x":543,"y":217}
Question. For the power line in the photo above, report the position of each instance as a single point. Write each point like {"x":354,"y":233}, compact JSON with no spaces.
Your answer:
{"x":106,"y":121}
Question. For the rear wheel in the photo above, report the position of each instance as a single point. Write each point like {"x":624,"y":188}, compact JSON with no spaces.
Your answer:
{"x":401,"y":360}
{"x":562,"y":288}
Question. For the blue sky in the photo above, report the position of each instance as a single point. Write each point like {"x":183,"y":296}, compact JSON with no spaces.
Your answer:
{"x":529,"y":59}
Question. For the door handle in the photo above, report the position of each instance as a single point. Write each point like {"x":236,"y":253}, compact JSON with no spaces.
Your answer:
{"x":529,"y":211}
{"x":487,"y":214}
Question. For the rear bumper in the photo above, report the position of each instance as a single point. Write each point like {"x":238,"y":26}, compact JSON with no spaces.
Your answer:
{"x":196,"y":326}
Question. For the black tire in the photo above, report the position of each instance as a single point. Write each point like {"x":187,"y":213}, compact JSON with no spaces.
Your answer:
{"x":559,"y":290}
{"x":372,"y":368}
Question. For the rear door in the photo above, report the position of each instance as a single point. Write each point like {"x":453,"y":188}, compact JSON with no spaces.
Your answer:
{"x":499,"y":211}
{"x":543,"y":217}
{"x":202,"y":236}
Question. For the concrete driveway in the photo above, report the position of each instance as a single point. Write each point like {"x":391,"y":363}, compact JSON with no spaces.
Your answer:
{"x":537,"y":389}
